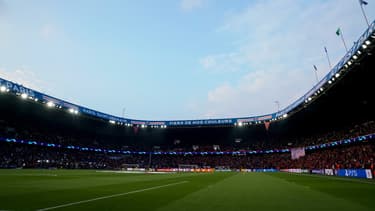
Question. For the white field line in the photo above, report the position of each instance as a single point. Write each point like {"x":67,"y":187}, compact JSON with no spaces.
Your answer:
{"x":34,"y":175}
{"x":111,"y":196}
{"x":337,"y":178}
{"x":136,"y":172}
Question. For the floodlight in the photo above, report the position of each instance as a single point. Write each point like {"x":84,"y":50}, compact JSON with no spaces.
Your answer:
{"x":359,"y":52}
{"x":50,"y":104}
{"x":349,"y":63}
{"x":71,"y":110}
{"x":3,"y":89}
{"x":364,"y":46}
{"x":337,"y":75}
{"x":75,"y":111}
{"x":240,"y":124}
{"x":329,"y":81}
{"x":355,"y":57}
{"x":285,"y":115}
{"x":367,"y":42}
{"x":24,"y":95}
{"x":321,"y":89}
{"x":309,"y":98}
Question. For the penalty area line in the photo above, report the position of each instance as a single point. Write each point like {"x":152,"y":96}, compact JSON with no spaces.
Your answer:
{"x":111,"y":196}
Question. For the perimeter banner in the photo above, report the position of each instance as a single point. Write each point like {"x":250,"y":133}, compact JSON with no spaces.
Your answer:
{"x":357,"y":173}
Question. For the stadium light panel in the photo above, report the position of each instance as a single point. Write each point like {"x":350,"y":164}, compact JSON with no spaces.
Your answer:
{"x":24,"y":96}
{"x":337,"y":75}
{"x":364,"y":46}
{"x":112,"y":122}
{"x":321,"y":89}
{"x":3,"y":89}
{"x":359,"y":52}
{"x":71,"y":110}
{"x":240,"y":124}
{"x":355,"y":57}
{"x":285,"y":115}
{"x":329,"y":81}
{"x":50,"y":104}
{"x":36,"y":99}
{"x":309,"y":98}
{"x":349,"y":63}
{"x":75,"y":111}
{"x":367,"y":42}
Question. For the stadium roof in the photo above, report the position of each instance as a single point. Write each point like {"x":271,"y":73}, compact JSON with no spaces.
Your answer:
{"x":354,"y":55}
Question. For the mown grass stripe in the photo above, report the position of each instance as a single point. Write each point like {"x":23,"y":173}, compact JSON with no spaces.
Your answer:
{"x":111,"y":196}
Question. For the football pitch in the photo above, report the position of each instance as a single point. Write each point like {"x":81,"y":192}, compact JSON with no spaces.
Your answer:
{"x":93,"y":190}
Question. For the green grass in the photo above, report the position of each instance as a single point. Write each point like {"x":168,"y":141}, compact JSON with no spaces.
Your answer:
{"x":37,"y":189}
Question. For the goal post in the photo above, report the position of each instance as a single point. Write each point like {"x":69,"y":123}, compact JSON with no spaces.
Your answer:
{"x":187,"y":167}
{"x":129,"y":167}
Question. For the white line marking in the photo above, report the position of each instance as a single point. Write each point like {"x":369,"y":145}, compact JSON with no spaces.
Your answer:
{"x":110,"y":196}
{"x":337,"y":178}
{"x":136,"y":172}
{"x":32,"y":175}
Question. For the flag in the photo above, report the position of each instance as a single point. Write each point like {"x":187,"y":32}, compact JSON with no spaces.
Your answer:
{"x":338,"y":32}
{"x":135,"y":129}
{"x":325,"y":49}
{"x":316,"y":69}
{"x":267,"y":125}
{"x":362,"y":2}
{"x":297,"y":152}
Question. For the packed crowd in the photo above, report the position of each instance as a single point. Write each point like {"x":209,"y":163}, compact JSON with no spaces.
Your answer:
{"x":14,"y":155}
{"x":24,"y":156}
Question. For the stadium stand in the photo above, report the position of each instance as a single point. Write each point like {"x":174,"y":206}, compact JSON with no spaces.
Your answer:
{"x":336,"y":129}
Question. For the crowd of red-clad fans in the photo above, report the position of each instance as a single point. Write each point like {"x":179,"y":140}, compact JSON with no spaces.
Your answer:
{"x":357,"y":155}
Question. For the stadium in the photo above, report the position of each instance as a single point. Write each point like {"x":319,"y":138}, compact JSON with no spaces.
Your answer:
{"x":316,"y":153}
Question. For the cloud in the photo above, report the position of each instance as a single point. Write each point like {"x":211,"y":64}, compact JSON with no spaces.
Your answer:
{"x":277,"y":44}
{"x":188,"y":5}
{"x":25,"y":77}
{"x":48,"y":31}
{"x":224,"y":63}
{"x":255,"y":93}
{"x":2,"y":8}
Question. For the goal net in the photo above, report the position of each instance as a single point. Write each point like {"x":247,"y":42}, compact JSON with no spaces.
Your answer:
{"x":187,"y":167}
{"x":130,"y":167}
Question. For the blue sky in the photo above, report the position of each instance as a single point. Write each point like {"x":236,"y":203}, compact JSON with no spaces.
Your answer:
{"x":181,"y":59}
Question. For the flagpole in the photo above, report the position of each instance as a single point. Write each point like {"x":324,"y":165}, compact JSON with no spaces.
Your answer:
{"x":363,"y":12}
{"x":123,"y":112}
{"x":316,"y":74}
{"x":329,"y":61}
{"x":343,"y":41}
{"x":278,"y":105}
